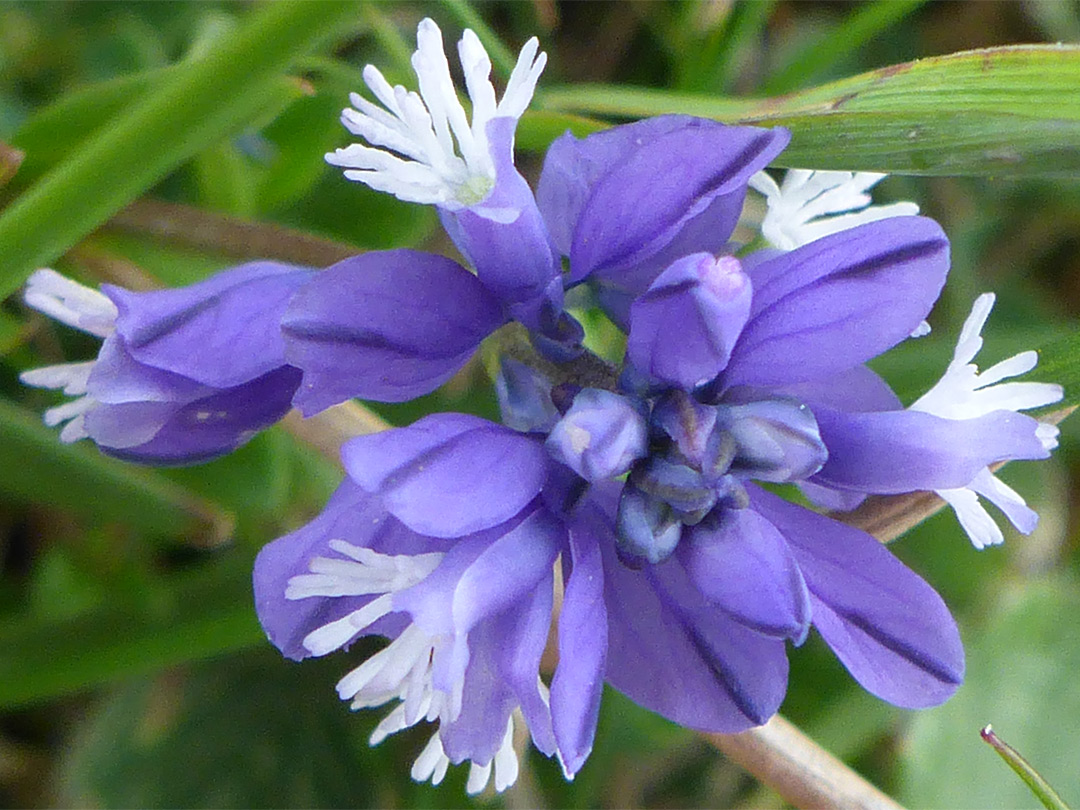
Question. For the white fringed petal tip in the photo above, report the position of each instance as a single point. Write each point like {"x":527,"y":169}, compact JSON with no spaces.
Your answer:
{"x":423,"y":148}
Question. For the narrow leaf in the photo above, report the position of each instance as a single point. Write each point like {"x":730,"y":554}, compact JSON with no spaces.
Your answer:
{"x":995,"y":111}
{"x":865,"y":21}
{"x":78,"y":478}
{"x":186,"y":619}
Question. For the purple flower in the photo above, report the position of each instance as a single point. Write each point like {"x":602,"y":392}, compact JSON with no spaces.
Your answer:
{"x":424,"y":149}
{"x":467,"y":605}
{"x":183,"y":375}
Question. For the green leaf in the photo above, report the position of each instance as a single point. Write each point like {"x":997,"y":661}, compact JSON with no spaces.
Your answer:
{"x":185,"y":618}
{"x":77,"y":477}
{"x":1021,"y":676}
{"x":56,"y":131}
{"x":996,"y":111}
{"x":203,"y":101}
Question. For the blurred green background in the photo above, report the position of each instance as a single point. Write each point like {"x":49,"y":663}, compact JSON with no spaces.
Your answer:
{"x":132,"y":670}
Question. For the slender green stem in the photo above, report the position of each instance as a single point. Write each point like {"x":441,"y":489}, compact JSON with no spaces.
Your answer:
{"x":1035,"y":782}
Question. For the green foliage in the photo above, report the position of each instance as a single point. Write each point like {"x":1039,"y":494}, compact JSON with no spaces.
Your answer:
{"x":1003,"y":111}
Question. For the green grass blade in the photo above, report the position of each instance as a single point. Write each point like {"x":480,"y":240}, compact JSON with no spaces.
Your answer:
{"x":184,"y":619}
{"x":76,"y":477}
{"x":205,"y":100}
{"x":998,"y":111}
{"x":862,"y":25}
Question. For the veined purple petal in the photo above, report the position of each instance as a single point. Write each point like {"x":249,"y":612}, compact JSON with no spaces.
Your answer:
{"x":487,"y":701}
{"x":890,"y":452}
{"x":839,"y":301}
{"x":117,"y":377}
{"x":523,"y":636}
{"x":683,"y":329}
{"x":503,"y":672}
{"x":857,"y":389}
{"x":508,"y":568}
{"x":221,"y":332}
{"x":742,"y":564}
{"x":884,"y":622}
{"x":201,"y":430}
{"x":480,"y":576}
{"x":617,"y":198}
{"x":448,"y":474}
{"x":505,"y":237}
{"x":387,"y":326}
{"x":351,"y":515}
{"x":579,"y":678}
{"x":707,"y":232}
{"x":680,"y":657}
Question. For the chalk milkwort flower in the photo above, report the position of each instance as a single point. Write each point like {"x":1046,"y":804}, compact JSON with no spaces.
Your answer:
{"x":183,"y":375}
{"x":684,"y":577}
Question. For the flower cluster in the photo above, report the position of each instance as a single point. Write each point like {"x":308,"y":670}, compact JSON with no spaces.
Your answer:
{"x":647,"y":485}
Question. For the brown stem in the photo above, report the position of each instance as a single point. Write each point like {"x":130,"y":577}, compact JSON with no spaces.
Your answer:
{"x":801,"y":771}
{"x":10,"y":160}
{"x":217,"y":233}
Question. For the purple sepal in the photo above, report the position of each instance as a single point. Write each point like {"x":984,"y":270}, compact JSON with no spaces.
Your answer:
{"x":741,"y":563}
{"x":647,"y":529}
{"x":505,"y":237}
{"x":220,"y":332}
{"x":579,"y":678}
{"x":890,"y":452}
{"x":838,"y":301}
{"x":672,"y":652}
{"x":524,"y":396}
{"x":776,"y":440}
{"x":522,"y":640}
{"x":683,"y":329}
{"x":600,"y":436}
{"x":351,"y":515}
{"x":884,"y":622}
{"x":616,"y":199}
{"x":201,"y":430}
{"x":387,"y":326}
{"x":448,"y":474}
{"x":686,"y":422}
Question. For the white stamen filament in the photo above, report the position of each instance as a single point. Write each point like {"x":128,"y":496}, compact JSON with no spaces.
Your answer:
{"x":423,"y":147}
{"x":404,"y":669}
